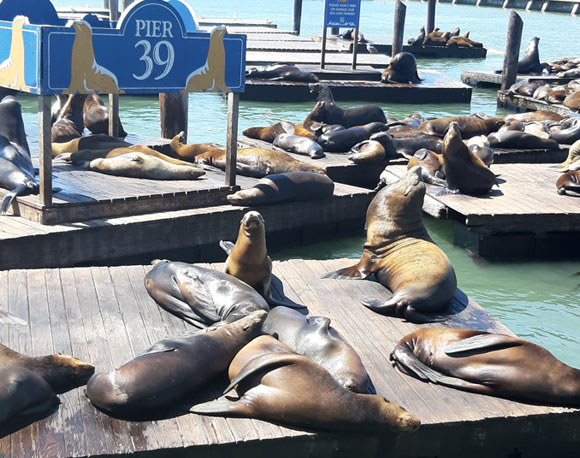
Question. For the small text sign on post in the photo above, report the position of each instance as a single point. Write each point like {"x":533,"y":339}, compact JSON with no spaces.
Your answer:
{"x":341,"y":14}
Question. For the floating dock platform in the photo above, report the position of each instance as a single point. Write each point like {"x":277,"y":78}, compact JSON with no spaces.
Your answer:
{"x":525,"y":217}
{"x":104,"y":315}
{"x":489,"y":79}
{"x":522,"y":103}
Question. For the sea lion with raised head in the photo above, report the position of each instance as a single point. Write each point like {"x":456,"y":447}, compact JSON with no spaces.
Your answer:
{"x":401,"y":255}
{"x":530,"y":63}
{"x":572,"y":162}
{"x":485,"y":363}
{"x":96,"y":116}
{"x":211,"y":76}
{"x":327,"y":111}
{"x":464,"y":171}
{"x":199,"y":296}
{"x":173,"y":369}
{"x":285,"y":187}
{"x":189,"y":152}
{"x":401,"y":69}
{"x":417,"y":40}
{"x":276,"y":384}
{"x":469,"y":126}
{"x":312,"y":336}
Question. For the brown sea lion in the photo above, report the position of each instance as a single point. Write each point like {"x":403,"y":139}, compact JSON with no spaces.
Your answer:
{"x":367,"y":152}
{"x":431,"y":165}
{"x":211,"y":75}
{"x":200,"y":296}
{"x":69,"y":124}
{"x":139,"y":165}
{"x":172,"y":370}
{"x":401,"y":69}
{"x":463,"y":41}
{"x":285,"y":187}
{"x":93,"y":142}
{"x":470,"y":127}
{"x":539,"y":115}
{"x":436,"y":38}
{"x":258,"y":162}
{"x":400,"y":253}
{"x":96,"y":116}
{"x":572,"y":162}
{"x":464,"y":171}
{"x":572,"y":101}
{"x":568,"y":133}
{"x":485,"y":363}
{"x":314,"y":338}
{"x":327,"y":111}
{"x":189,"y":152}
{"x":275,"y":384}
{"x":569,"y":181}
{"x":269,"y":133}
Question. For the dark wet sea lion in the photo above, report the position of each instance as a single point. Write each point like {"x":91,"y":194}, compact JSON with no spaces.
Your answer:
{"x":367,"y":152}
{"x":299,"y":145}
{"x":343,"y":140}
{"x":188,"y":152}
{"x":94,"y":142}
{"x":530,"y":63}
{"x":282,"y":72}
{"x":470,"y":127}
{"x":517,"y":139}
{"x":139,"y":165}
{"x":569,"y":181}
{"x":285,"y":187}
{"x":69,"y":123}
{"x":417,"y":40}
{"x":314,"y":338}
{"x":569,"y":132}
{"x":172,"y":370}
{"x":258,"y":162}
{"x":96,"y":116}
{"x":492,"y":364}
{"x":200,"y":296}
{"x":485,"y":153}
{"x":464,"y":171}
{"x":401,"y":69}
{"x":399,"y":251}
{"x":327,"y":111}
{"x":276,"y":384}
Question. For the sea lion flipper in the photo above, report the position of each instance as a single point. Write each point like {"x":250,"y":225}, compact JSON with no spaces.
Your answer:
{"x":352,"y":272}
{"x":9,"y":197}
{"x":404,"y":358}
{"x":217,"y":407}
{"x":416,"y":317}
{"x":227,"y":246}
{"x":483,"y":342}
{"x":159,"y":347}
{"x":277,"y":296}
{"x":8,"y":318}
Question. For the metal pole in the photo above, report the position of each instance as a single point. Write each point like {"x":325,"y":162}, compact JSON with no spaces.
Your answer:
{"x":399,"y":27}
{"x":430,"y":15}
{"x":323,"y":50}
{"x":297,"y":16}
{"x":354,"y":48}
{"x":113,"y":10}
{"x":45,"y":150}
{"x":512,"y":51}
{"x":232,"y":140}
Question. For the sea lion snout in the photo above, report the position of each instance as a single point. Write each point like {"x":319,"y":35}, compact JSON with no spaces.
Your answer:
{"x":408,"y":422}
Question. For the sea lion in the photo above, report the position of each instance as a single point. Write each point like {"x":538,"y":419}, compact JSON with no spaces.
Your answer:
{"x":96,"y":116}
{"x":282,"y":72}
{"x":211,"y":76}
{"x":517,"y":139}
{"x":269,"y":134}
{"x":417,"y":40}
{"x":572,"y":101}
{"x":327,"y":111}
{"x":189,"y":152}
{"x":485,"y":153}
{"x":172,"y":370}
{"x":367,"y":152}
{"x":258,"y":162}
{"x":139,"y":165}
{"x":285,"y":187}
{"x":436,"y":38}
{"x":569,"y":181}
{"x":469,"y":127}
{"x":69,"y":124}
{"x":199,"y":296}
{"x":57,"y":107}
{"x":463,"y":41}
{"x":569,"y":132}
{"x":572,"y":162}
{"x":539,"y":115}
{"x":276,"y":384}
{"x":401,"y":69}
{"x":464,"y":171}
{"x":530,"y":63}
{"x":408,"y":146}
{"x":344,"y":140}
{"x":16,"y":169}
{"x":92,"y":142}
{"x":299,"y":145}
{"x":431,"y":165}
{"x":61,"y":372}
{"x":314,"y":338}
{"x":399,"y":251}
{"x":485,"y":363}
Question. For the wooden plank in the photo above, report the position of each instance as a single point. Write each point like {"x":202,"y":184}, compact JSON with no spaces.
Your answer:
{"x":5,"y":442}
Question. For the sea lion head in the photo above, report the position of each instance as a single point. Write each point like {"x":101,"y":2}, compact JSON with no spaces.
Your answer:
{"x":65,"y":372}
{"x":402,"y":199}
{"x":452,"y":140}
{"x":392,"y":414}
{"x":252,"y":224}
{"x":403,"y":68}
{"x":322,"y":91}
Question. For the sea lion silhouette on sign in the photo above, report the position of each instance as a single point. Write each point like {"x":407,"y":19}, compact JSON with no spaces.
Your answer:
{"x":12,"y":69}
{"x":86,"y":75}
{"x":212,"y":75}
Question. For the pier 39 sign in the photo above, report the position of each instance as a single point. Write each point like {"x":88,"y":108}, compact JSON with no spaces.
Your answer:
{"x":342,"y":13}
{"x":155,"y":47}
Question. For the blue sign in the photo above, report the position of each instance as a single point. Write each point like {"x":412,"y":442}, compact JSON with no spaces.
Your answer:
{"x":155,"y":47}
{"x":342,"y":13}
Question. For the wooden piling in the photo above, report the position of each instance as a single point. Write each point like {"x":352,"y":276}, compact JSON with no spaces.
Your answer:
{"x":399,"y":27}
{"x":297,"y":16}
{"x":114,"y":125}
{"x":354,"y":48}
{"x":173,"y":108}
{"x":512,"y":50}
{"x":45,"y":150}
{"x":113,"y":10}
{"x":431,"y":15}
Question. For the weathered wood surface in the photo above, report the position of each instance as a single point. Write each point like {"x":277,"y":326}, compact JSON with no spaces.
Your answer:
{"x":524,"y":103}
{"x":105,"y":316}
{"x":273,"y":57}
{"x":526,"y":202}
{"x":494,"y":79}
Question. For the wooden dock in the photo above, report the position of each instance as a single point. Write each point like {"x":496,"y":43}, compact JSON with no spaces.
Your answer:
{"x":522,"y":103}
{"x":525,"y":217}
{"x":489,"y":79}
{"x":104,"y":315}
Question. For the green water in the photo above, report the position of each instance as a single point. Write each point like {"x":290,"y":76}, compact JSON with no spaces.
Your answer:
{"x":537,"y":300}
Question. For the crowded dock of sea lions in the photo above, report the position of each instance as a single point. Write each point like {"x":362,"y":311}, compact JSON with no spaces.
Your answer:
{"x":354,"y":265}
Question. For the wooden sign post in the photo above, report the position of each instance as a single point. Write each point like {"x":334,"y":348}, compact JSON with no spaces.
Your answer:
{"x":341,"y":14}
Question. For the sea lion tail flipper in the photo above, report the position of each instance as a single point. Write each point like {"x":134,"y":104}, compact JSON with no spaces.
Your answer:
{"x":404,"y":358}
{"x":219,"y":407}
{"x":352,"y":272}
{"x":416,"y":317}
{"x":384,"y":308}
{"x":8,"y":198}
{"x":8,"y":318}
{"x":483,"y":342}
{"x":227,"y":246}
